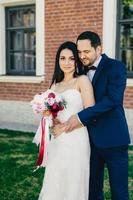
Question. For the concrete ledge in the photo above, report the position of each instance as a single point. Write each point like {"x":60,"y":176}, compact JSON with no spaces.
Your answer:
{"x":18,"y":115}
{"x":21,"y":79}
{"x":18,"y":126}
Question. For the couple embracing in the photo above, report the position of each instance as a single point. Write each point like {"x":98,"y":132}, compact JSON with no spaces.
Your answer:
{"x":92,"y":132}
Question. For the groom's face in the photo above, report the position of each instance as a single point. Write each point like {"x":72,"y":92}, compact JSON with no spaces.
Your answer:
{"x":87,"y":54}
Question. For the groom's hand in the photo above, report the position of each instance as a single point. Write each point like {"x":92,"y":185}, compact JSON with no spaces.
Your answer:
{"x":58,"y":129}
{"x":72,"y":123}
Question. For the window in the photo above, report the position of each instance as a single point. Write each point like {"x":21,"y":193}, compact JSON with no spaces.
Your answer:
{"x":125,"y":34}
{"x":20,"y":40}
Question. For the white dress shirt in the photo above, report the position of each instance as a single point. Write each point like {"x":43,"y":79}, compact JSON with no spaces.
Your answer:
{"x":91,"y":73}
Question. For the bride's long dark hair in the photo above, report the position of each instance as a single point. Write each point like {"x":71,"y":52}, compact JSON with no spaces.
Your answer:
{"x":58,"y":75}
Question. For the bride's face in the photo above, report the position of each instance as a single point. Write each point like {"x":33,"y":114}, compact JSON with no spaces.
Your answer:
{"x":67,"y":61}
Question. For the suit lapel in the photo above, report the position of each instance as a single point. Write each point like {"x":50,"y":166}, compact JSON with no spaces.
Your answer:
{"x":99,"y":68}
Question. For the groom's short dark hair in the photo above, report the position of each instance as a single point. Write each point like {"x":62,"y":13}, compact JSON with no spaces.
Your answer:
{"x":92,"y":36}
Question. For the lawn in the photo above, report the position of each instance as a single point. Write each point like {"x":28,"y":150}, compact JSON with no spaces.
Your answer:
{"x":17,"y":162}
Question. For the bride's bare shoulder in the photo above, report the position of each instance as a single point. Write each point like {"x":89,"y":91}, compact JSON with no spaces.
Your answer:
{"x":83,"y":79}
{"x":83,"y":83}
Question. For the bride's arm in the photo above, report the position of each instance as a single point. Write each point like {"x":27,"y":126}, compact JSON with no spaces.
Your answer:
{"x":86,"y":90}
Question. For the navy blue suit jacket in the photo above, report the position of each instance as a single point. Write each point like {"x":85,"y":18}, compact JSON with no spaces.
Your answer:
{"x":106,"y":120}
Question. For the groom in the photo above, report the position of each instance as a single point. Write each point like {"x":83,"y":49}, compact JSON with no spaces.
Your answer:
{"x":105,"y":120}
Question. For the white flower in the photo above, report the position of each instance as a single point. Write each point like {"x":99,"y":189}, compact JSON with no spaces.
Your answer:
{"x":51,"y":101}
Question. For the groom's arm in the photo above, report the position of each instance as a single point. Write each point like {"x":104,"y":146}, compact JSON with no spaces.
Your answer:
{"x":113,"y":98}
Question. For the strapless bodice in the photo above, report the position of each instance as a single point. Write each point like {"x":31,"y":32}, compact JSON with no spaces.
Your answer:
{"x":74,"y":104}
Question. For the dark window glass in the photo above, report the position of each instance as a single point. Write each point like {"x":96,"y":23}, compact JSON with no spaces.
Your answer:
{"x":126,"y":9}
{"x":125,"y":34}
{"x":21,"y":39}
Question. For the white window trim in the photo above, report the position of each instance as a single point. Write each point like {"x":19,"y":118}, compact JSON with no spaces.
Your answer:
{"x":109,"y":27}
{"x":40,"y":42}
{"x":109,"y":30}
{"x":130,"y":82}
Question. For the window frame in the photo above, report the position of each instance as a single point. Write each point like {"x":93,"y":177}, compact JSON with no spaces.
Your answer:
{"x":119,"y":23}
{"x":40,"y":43}
{"x":8,"y":38}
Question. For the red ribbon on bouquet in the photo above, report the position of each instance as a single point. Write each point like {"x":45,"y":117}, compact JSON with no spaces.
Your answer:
{"x":42,"y":144}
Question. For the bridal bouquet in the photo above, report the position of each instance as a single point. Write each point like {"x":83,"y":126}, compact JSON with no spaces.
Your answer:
{"x":48,"y":104}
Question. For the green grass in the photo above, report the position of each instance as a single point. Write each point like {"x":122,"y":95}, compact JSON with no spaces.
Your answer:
{"x":17,"y":162}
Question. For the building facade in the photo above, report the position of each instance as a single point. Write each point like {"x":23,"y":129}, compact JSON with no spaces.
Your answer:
{"x":32,"y":30}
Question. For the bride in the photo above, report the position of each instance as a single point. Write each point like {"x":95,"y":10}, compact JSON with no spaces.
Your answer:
{"x":67,"y":169}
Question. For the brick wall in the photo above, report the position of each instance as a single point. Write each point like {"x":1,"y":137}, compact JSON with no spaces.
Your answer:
{"x":64,"y":20}
{"x":128,"y":100}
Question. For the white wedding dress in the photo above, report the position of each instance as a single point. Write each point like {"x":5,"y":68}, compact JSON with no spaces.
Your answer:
{"x":67,"y":167}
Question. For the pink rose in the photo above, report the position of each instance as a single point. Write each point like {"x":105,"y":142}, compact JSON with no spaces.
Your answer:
{"x":51,"y":95}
